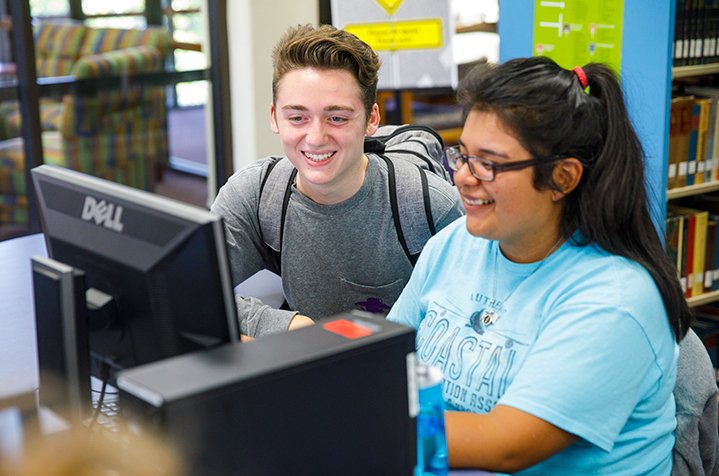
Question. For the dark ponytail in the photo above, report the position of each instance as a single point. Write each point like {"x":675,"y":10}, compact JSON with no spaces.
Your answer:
{"x":551,"y":113}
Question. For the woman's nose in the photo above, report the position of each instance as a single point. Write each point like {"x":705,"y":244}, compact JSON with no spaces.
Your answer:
{"x":463,"y":176}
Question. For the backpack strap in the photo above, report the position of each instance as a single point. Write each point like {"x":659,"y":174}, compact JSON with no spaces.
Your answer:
{"x":275,"y":191}
{"x":408,"y":188}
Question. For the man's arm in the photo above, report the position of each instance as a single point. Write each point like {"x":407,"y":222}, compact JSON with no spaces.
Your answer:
{"x":237,"y":203}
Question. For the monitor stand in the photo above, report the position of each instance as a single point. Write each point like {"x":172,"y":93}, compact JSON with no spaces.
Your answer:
{"x":62,"y":339}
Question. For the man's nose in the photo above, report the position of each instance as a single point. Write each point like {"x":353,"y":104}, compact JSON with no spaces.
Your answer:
{"x":316,"y":132}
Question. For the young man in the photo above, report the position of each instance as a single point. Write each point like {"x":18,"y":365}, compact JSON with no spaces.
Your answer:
{"x":340,"y":250}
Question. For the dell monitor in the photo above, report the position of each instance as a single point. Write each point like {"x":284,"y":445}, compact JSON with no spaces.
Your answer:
{"x":156,"y":270}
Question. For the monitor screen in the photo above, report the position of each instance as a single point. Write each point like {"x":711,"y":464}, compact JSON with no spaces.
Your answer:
{"x":156,"y":270}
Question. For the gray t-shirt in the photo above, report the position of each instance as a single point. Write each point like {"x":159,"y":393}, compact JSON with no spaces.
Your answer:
{"x":334,"y":257}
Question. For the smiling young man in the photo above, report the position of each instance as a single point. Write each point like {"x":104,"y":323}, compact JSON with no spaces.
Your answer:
{"x":340,"y":249}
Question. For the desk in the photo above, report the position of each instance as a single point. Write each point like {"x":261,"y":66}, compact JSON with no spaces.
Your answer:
{"x":18,"y":354}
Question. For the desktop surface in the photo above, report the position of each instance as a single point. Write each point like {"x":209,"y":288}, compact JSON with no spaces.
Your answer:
{"x":18,"y":351}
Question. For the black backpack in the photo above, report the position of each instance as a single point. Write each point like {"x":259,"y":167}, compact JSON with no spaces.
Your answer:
{"x":409,"y":151}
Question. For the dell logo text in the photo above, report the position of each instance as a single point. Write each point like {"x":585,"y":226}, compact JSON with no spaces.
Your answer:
{"x":103,"y":213}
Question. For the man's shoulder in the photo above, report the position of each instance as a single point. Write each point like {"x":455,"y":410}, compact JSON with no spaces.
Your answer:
{"x":442,"y":190}
{"x":246,"y":182}
{"x":253,"y":174}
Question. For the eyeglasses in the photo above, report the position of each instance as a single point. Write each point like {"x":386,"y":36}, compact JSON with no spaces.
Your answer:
{"x":486,"y":170}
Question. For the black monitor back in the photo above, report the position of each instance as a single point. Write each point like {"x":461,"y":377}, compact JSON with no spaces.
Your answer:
{"x":333,"y":398}
{"x":156,"y":271}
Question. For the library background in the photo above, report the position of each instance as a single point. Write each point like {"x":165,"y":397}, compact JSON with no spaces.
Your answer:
{"x":692,"y":238}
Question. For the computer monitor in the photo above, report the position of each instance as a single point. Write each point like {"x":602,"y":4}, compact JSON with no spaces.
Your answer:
{"x":156,"y":270}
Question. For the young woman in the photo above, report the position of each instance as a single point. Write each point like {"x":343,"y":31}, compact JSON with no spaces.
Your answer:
{"x":551,"y":308}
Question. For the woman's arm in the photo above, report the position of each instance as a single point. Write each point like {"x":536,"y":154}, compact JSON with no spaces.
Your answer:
{"x":505,"y":439}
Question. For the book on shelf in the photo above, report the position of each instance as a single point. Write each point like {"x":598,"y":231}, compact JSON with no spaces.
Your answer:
{"x":704,"y":104}
{"x":695,"y":32}
{"x":711,"y":146}
{"x":710,"y":203}
{"x":687,"y":250}
{"x":673,"y":162}
{"x":694,"y":154}
{"x":711,"y":17}
{"x":696,"y":242}
{"x":679,"y":33}
{"x":681,"y":115}
{"x":674,"y":228}
{"x":709,"y":255}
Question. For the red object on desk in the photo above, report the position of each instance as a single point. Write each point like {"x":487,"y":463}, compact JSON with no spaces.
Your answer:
{"x":348,"y":329}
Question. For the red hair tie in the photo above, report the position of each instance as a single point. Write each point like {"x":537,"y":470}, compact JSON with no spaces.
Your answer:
{"x":582,"y":76}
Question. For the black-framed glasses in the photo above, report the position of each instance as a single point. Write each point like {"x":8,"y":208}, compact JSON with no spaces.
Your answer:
{"x":486,"y":170}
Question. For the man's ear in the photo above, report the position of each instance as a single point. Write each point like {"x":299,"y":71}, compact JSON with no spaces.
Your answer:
{"x":373,"y":120}
{"x":273,"y":119}
{"x":566,"y":175}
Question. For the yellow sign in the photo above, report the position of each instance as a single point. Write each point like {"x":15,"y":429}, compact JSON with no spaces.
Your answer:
{"x":400,"y":35}
{"x":390,"y":6}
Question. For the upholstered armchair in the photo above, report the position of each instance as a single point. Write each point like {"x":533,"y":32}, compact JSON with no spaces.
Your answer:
{"x":115,"y":129}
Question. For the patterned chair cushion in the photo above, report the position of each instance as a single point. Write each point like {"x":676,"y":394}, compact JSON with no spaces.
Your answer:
{"x":103,"y":40}
{"x":50,"y":117}
{"x":136,"y":59}
{"x":57,"y":47}
{"x":13,"y":188}
{"x":7,"y":108}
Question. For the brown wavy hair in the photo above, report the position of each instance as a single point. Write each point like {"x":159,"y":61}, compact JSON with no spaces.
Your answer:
{"x":326,"y":47}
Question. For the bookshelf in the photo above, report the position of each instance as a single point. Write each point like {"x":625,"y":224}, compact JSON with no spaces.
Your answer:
{"x":691,"y":190}
{"x":679,"y":72}
{"x":695,"y":73}
{"x":706,"y":298}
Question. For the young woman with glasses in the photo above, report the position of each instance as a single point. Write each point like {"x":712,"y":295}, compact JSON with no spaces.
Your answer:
{"x":551,"y":308}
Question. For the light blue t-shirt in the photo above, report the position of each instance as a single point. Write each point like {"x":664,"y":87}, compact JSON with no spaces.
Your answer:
{"x":581,"y":341}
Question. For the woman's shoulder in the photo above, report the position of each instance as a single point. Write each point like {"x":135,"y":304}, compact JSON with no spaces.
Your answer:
{"x":597,"y":258}
{"x":593,"y":272}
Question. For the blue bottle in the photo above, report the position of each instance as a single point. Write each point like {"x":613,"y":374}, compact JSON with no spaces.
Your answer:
{"x":431,"y":437}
